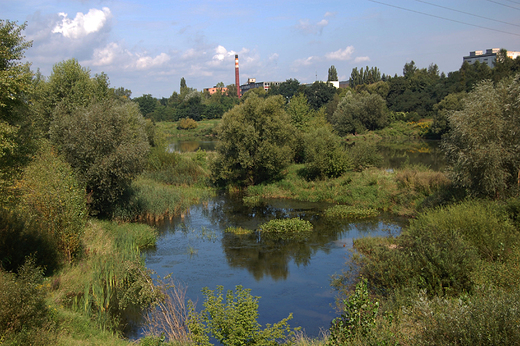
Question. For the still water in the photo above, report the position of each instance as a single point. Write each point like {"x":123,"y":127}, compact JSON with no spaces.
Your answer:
{"x":289,"y":275}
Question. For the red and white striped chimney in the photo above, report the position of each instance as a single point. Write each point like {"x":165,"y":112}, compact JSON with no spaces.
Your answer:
{"x":237,"y":79}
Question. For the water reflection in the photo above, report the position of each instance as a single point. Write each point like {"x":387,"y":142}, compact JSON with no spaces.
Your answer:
{"x":291,"y":275}
{"x":183,"y":146}
{"x":398,"y":154}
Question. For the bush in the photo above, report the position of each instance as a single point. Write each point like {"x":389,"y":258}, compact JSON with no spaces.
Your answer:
{"x":106,"y":144}
{"x":359,"y":112}
{"x":232,"y":320}
{"x":187,"y":124}
{"x":364,"y":154}
{"x":255,"y":142}
{"x":24,"y":316}
{"x":481,"y":147}
{"x":358,"y":317}
{"x":52,"y":195}
{"x":324,"y":155}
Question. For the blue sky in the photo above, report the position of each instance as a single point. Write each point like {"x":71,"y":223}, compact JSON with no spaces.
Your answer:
{"x":148,"y":46}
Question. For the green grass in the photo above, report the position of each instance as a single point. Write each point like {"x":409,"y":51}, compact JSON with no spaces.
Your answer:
{"x":204,"y":129}
{"x":369,"y":189}
{"x":294,"y":225}
{"x":238,"y":230}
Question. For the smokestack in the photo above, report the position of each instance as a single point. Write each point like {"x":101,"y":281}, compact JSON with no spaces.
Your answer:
{"x":237,"y":79}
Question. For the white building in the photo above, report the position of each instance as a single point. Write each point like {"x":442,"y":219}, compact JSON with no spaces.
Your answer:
{"x":489,"y":57}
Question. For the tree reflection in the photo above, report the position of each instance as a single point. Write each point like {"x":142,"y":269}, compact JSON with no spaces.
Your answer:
{"x":270,"y":254}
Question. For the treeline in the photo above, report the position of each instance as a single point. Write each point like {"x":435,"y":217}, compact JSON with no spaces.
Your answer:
{"x":189,"y":103}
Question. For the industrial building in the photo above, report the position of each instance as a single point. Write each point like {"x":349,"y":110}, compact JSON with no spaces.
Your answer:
{"x":489,"y":57}
{"x":252,"y":84}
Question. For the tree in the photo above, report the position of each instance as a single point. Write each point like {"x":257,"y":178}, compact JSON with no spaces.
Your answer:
{"x":333,"y":74}
{"x":147,"y":104}
{"x":183,"y":84}
{"x":482,"y":147}
{"x":359,"y":112}
{"x":106,"y":145}
{"x":52,"y":195}
{"x":319,"y":94}
{"x":255,"y":142}
{"x":69,"y":86}
{"x":16,"y":143}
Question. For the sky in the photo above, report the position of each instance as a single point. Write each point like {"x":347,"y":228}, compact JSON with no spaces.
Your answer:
{"x":147,"y":46}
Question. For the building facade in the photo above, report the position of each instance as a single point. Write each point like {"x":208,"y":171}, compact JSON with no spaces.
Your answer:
{"x":253,"y":84}
{"x":489,"y":57}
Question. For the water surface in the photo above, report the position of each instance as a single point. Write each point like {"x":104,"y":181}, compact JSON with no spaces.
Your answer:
{"x":290,"y":275}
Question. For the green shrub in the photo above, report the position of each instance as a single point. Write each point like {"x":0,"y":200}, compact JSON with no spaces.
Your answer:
{"x":489,"y":317}
{"x":364,"y":155}
{"x":350,"y":212}
{"x":187,"y":124}
{"x":52,"y":195}
{"x":358,"y":317}
{"x":324,"y":156}
{"x":293,"y":225}
{"x":24,"y":316}
{"x":421,"y":180}
{"x":232,"y":320}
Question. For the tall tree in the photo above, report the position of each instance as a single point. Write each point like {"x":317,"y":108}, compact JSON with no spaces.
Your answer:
{"x":15,"y":84}
{"x":333,"y":74}
{"x":183,"y":84}
{"x":482,"y":147}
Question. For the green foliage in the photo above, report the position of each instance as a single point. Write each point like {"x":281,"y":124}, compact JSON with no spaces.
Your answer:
{"x":255,"y":142}
{"x":449,"y":104}
{"x":367,"y":76}
{"x":187,"y":124}
{"x":350,"y":212}
{"x":332,"y":74}
{"x":358,"y":318}
{"x":16,"y":136}
{"x":440,"y":251}
{"x":106,"y":144}
{"x":69,"y":87}
{"x":482,"y":145}
{"x":364,"y":154}
{"x":112,"y":282}
{"x":489,"y":317}
{"x":238,"y":230}
{"x":359,"y":112}
{"x":52,"y":195}
{"x":293,"y":225}
{"x":324,"y":156}
{"x":319,"y":94}
{"x":24,"y":317}
{"x":231,"y":319}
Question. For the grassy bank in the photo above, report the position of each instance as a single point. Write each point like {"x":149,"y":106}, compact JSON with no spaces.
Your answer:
{"x":397,"y":191}
{"x":88,"y":302}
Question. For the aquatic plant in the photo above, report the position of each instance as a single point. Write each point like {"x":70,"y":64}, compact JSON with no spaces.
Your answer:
{"x":238,"y":230}
{"x":351,"y":212}
{"x":286,"y":226}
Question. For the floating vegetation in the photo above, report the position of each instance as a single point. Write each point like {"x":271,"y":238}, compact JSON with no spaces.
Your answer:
{"x":238,"y":230}
{"x":351,"y":212}
{"x":252,"y":201}
{"x":293,"y":225}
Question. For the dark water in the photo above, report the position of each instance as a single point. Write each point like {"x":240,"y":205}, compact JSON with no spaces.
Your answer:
{"x":289,"y":275}
{"x":399,"y":154}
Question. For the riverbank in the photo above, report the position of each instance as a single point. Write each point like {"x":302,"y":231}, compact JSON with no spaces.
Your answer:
{"x":401,"y":191}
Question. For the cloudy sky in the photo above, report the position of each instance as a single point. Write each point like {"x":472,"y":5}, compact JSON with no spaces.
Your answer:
{"x":147,"y":46}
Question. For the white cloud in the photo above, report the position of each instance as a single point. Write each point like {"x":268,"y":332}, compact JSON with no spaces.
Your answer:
{"x":306,"y":62}
{"x":106,"y":56}
{"x":361,"y":59}
{"x":306,"y":27}
{"x":146,"y":62}
{"x":83,"y":24}
{"x":341,"y":54}
{"x":222,"y":53}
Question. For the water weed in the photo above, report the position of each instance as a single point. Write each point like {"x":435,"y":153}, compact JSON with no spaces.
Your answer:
{"x":350,"y":212}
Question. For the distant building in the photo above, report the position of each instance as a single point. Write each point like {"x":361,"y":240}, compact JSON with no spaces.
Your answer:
{"x":215,"y":89}
{"x":253,"y":84}
{"x":489,"y":57}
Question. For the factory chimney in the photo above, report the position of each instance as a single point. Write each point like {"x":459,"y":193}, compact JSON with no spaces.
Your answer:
{"x":237,"y":79}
